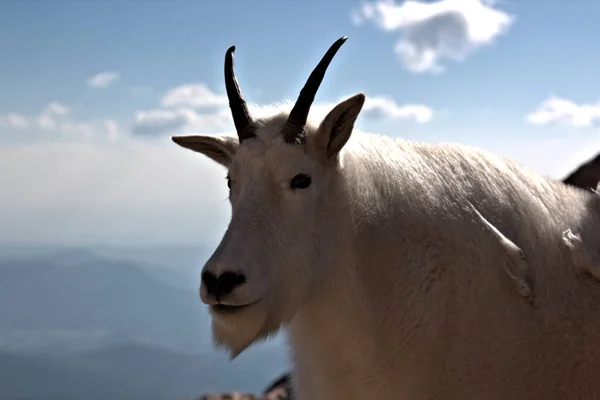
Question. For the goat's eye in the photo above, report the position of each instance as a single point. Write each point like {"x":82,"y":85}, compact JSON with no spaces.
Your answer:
{"x":229,"y":182}
{"x":300,"y":181}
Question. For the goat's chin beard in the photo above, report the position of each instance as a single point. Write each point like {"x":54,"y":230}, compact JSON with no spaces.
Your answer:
{"x":238,"y":333}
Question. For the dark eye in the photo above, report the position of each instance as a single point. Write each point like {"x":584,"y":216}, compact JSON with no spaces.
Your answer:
{"x":229,"y":182}
{"x":300,"y":181}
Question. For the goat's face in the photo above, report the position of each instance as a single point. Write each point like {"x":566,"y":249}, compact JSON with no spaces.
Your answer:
{"x":281,"y":194}
{"x":281,"y":173}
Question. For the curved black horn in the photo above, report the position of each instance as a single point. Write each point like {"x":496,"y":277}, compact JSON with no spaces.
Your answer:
{"x":239,"y":110}
{"x":294,"y":126}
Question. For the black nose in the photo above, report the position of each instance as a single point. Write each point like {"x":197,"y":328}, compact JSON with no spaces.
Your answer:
{"x":222,"y":285}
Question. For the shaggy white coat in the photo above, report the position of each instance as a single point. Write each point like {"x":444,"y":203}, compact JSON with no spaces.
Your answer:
{"x":388,"y":276}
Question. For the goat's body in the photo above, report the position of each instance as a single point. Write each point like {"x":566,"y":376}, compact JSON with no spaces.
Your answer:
{"x":398,"y":267}
{"x":418,"y":304}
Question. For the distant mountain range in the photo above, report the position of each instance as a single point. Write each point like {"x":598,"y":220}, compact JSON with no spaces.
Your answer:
{"x":130,"y":372}
{"x":77,"y":296}
{"x":78,"y":324}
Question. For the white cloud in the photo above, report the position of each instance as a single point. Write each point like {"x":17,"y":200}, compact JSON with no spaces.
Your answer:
{"x":433,"y":31}
{"x":556,"y":110}
{"x":51,"y":115}
{"x":385,"y":107}
{"x":186,"y":108}
{"x":56,"y":118}
{"x":375,"y":108}
{"x":196,"y":95}
{"x":179,"y":120}
{"x":183,"y":104}
{"x":103,"y":79}
{"x":14,"y":120}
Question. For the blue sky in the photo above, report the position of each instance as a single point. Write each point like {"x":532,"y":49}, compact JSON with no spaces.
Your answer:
{"x":86,"y":162}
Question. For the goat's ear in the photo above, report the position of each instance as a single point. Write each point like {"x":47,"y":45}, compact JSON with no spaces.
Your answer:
{"x":220,"y":148}
{"x":336,"y":128}
{"x":586,"y":176}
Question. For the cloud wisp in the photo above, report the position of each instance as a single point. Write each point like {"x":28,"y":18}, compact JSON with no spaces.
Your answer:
{"x":103,"y":80}
{"x":56,"y":118}
{"x":194,"y":107}
{"x":434,"y":31}
{"x":560,"y":111}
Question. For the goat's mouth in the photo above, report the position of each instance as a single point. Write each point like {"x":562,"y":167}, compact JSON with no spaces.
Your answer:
{"x":225,"y":309}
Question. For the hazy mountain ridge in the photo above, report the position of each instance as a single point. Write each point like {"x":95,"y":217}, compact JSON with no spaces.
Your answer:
{"x":82,"y":293}
{"x":44,"y":377}
{"x":75,"y":324}
{"x":133,"y":372}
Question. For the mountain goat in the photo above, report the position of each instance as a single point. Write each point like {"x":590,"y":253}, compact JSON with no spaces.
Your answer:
{"x":585,"y":176}
{"x":401,"y":270}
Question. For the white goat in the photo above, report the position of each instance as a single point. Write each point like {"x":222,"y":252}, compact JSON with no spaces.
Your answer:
{"x":585,"y":176}
{"x":373,"y":253}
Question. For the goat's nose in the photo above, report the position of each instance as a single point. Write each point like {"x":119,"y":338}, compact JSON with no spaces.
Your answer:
{"x":222,"y":285}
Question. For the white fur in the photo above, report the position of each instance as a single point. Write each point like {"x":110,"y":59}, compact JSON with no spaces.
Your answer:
{"x":386,"y":281}
{"x":518,"y":271}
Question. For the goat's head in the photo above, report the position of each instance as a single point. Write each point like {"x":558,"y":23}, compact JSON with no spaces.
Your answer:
{"x":283,"y":178}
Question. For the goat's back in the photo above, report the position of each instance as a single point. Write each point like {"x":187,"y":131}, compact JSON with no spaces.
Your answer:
{"x":433,"y":284}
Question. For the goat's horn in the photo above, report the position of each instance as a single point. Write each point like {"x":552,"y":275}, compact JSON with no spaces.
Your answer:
{"x":242,"y":119}
{"x":294,"y":127}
